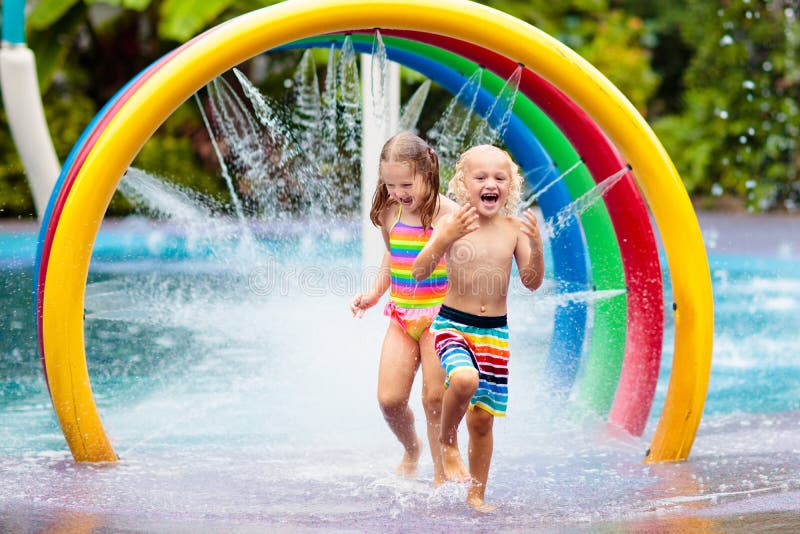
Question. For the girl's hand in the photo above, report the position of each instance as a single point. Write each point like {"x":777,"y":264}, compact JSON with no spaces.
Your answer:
{"x":463,"y":222}
{"x":362,"y":303}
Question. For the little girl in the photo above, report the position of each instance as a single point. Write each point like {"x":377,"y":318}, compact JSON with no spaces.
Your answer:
{"x":406,"y":206}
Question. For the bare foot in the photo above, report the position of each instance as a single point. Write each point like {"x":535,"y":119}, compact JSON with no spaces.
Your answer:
{"x":408,"y":465}
{"x":479,"y":505}
{"x":453,"y":465}
{"x":440,"y":474}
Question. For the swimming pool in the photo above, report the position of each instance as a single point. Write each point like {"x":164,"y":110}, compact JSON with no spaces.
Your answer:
{"x":239,"y":394}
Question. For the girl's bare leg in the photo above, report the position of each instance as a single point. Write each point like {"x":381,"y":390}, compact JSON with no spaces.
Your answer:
{"x":432,"y":395}
{"x":398,"y":365}
{"x":481,"y":445}
{"x":463,"y":384}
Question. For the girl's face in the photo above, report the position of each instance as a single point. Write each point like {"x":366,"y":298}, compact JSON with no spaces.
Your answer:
{"x":402,"y":186}
{"x":487,"y":179}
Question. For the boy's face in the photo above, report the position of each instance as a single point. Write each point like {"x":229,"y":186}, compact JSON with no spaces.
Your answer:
{"x":402,"y":186}
{"x":487,"y":179}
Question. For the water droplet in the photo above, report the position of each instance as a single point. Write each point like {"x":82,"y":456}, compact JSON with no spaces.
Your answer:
{"x":767,"y":66}
{"x":749,"y":84}
{"x":751,"y":131}
{"x":723,"y":114}
{"x":750,"y":184}
{"x":717,"y":190}
{"x":726,"y":40}
{"x":287,"y":83}
{"x":743,"y":139}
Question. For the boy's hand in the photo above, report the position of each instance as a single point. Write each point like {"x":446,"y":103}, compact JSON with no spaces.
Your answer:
{"x":463,"y":222}
{"x":530,"y":227}
{"x":531,"y":262}
{"x":362,"y":303}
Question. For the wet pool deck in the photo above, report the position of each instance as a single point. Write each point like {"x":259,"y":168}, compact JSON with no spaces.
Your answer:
{"x":776,"y":511}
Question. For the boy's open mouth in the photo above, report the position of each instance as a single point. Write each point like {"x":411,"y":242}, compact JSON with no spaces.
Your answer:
{"x":406,"y":201}
{"x":489,"y":198}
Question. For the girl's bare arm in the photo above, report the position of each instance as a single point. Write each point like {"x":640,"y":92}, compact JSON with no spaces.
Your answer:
{"x":363,"y":301}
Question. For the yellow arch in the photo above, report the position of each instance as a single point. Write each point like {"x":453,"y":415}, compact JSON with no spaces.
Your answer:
{"x":251,"y":34}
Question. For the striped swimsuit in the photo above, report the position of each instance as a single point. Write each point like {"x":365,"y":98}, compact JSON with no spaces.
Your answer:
{"x":466,"y":341}
{"x":413,"y":304}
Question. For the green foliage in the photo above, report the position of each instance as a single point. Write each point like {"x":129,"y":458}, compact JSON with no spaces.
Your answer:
{"x":49,"y":41}
{"x":68,"y":113}
{"x":15,"y":196}
{"x":738,"y":131}
{"x":47,"y":12}
{"x":610,"y":39}
{"x":181,"y":20}
{"x":719,"y":81}
{"x":613,"y":48}
{"x":136,"y":5}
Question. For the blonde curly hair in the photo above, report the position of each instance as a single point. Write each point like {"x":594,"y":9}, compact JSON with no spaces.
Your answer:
{"x":458,"y":191}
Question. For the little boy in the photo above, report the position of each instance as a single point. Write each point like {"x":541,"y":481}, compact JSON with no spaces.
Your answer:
{"x":471,"y":331}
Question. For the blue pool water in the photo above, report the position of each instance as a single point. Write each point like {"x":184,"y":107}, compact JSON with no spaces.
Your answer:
{"x":240,"y":395}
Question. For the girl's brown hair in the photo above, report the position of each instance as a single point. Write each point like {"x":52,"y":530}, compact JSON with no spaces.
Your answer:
{"x":406,"y":147}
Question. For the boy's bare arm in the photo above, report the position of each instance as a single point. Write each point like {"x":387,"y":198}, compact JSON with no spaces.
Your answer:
{"x":449,"y":230}
{"x":529,"y":252}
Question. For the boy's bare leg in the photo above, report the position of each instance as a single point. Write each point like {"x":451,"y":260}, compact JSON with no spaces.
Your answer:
{"x":432,"y":394}
{"x":463,"y":385}
{"x":481,"y":445}
{"x":398,"y":365}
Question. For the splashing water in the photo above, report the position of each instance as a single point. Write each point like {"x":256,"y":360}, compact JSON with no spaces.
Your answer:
{"x":307,"y":109}
{"x":409,"y":115}
{"x":536,"y":191}
{"x":568,"y":213}
{"x":237,"y":205}
{"x":240,"y":394}
{"x":350,"y":100}
{"x":160,"y":198}
{"x":449,"y":133}
{"x":379,"y":81}
{"x":500,"y":112}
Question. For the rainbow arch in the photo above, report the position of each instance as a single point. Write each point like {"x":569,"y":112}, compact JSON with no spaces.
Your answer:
{"x":568,"y":110}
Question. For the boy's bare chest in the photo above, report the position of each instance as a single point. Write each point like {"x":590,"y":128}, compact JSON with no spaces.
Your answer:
{"x":482,"y":250}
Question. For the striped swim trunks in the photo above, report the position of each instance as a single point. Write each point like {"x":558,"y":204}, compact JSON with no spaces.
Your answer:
{"x":466,"y":341}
